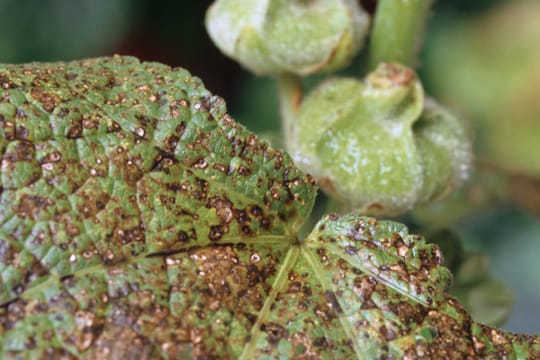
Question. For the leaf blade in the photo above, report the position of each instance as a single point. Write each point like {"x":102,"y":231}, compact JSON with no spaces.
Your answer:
{"x":111,"y":167}
{"x":147,"y":223}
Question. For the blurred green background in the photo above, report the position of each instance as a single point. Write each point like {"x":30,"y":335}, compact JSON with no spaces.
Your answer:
{"x":480,"y":57}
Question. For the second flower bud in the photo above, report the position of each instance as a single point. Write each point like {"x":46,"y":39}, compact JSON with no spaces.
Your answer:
{"x":378,"y":144}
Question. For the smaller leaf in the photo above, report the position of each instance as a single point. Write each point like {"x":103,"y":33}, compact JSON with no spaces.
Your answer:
{"x":387,"y":251}
{"x":473,"y":269}
{"x":489,"y":301}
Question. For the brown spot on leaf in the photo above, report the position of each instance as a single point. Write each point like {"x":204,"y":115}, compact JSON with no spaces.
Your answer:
{"x":333,"y":302}
{"x":216,"y":232}
{"x":30,"y":206}
{"x":224,"y":208}
{"x":200,"y":164}
{"x":266,"y":223}
{"x":171,"y":142}
{"x":182,"y":236}
{"x":49,"y":101}
{"x":386,"y":333}
{"x":20,"y":114}
{"x":21,"y":132}
{"x":275,"y":332}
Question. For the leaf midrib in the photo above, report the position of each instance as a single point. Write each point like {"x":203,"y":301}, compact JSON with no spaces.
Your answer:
{"x":357,"y":264}
{"x":289,"y":227}
{"x":311,"y":259}
{"x":281,"y":278}
{"x":27,"y":294}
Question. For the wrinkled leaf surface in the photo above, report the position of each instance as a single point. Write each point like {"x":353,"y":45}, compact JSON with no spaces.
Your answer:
{"x":139,"y":220}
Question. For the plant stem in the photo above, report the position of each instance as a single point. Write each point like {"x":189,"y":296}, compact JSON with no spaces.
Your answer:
{"x":290,"y":97}
{"x":398,"y":30}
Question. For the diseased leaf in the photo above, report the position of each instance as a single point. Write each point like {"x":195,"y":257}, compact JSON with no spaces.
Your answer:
{"x":115,"y":175}
{"x":486,"y":298}
{"x":138,"y":220}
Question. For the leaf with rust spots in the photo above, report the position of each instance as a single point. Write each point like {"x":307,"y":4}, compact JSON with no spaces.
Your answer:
{"x":139,"y":220}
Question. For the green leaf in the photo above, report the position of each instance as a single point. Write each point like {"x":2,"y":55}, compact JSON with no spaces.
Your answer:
{"x":488,"y":301}
{"x":138,"y":220}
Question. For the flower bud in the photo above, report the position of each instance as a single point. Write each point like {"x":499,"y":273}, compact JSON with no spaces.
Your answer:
{"x":378,"y":145}
{"x":294,"y":36}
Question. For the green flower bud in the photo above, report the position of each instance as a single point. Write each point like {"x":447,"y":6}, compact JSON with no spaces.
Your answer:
{"x":378,"y":145}
{"x":295,"y":36}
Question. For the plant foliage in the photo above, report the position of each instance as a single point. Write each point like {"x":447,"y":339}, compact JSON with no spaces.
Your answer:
{"x":139,"y":220}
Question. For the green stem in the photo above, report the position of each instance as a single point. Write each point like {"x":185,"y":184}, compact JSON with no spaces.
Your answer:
{"x":290,"y":98}
{"x":398,"y":30}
